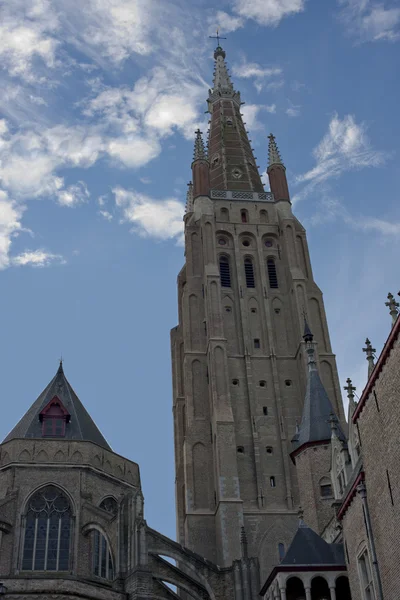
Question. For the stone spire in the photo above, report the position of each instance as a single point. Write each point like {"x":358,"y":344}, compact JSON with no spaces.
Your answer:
{"x":393,"y":307}
{"x":317,"y":410}
{"x":369,"y":351}
{"x":274,"y":157}
{"x":200,"y":168}
{"x":199,"y":149}
{"x":276,"y":171}
{"x":232,"y":163}
{"x":189,"y":198}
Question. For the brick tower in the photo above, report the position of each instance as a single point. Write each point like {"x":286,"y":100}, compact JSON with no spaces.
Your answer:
{"x":239,"y":360}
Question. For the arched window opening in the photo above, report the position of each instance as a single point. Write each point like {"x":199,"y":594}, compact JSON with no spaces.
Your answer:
{"x":281,"y":551}
{"x":320,"y":588}
{"x":365,"y":572}
{"x":249,"y":273}
{"x":47,"y":531}
{"x":224,"y":271}
{"x":272,"y":481}
{"x":102,"y":561}
{"x":295,"y":589}
{"x":110,"y":505}
{"x":272,"y":276}
{"x":325,"y":486}
{"x":343,"y":588}
{"x":263,"y":216}
{"x":224,"y":214}
{"x":244,"y":216}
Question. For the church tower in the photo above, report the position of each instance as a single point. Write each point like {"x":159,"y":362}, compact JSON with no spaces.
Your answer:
{"x":239,"y":360}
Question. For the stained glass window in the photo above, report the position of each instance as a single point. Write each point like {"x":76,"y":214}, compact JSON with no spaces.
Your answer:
{"x":102,"y":560}
{"x":47,"y":531}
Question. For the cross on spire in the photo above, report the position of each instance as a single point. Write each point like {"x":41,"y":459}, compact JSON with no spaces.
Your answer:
{"x":350,"y":389}
{"x":369,"y":351}
{"x":393,"y":307}
{"x":217,"y":37}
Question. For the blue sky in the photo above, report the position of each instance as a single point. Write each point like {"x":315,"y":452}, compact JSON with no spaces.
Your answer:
{"x":99,"y":101}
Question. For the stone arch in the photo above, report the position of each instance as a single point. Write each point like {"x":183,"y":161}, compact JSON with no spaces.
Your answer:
{"x":24,"y":456}
{"x":215,"y":325}
{"x":194,"y":320}
{"x":200,"y":476}
{"x":196,"y":253}
{"x":77,"y":457}
{"x":329,"y":382}
{"x":280,"y":326}
{"x":59,"y":456}
{"x":220,"y":379}
{"x":301,"y":253}
{"x":224,"y":214}
{"x":164,"y":571}
{"x":294,"y":588}
{"x":291,"y":246}
{"x":5,"y":458}
{"x":97,"y":461}
{"x":319,"y":587}
{"x":42,"y":456}
{"x":264,"y":216}
{"x":129,"y":476}
{"x":276,"y":533}
{"x":208,"y":241}
{"x":44,"y":485}
{"x":119,"y":471}
{"x":107,"y":466}
{"x":199,"y":397}
{"x":317,"y":323}
{"x":342,"y":587}
{"x":246,"y":235}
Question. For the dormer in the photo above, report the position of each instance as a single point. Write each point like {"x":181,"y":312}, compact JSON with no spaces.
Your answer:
{"x":54,"y":418}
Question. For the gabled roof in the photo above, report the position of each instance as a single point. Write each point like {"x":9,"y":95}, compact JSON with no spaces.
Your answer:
{"x":318,"y":410}
{"x":80,"y":427}
{"x":309,"y":549}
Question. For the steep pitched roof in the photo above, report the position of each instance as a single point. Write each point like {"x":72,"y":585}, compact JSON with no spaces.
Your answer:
{"x":318,"y":410}
{"x":308,"y":548}
{"x":80,"y":427}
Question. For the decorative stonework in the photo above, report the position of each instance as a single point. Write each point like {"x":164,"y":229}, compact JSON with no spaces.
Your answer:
{"x":236,"y":195}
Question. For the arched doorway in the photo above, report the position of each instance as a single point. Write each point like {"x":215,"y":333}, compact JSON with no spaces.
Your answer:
{"x":295,"y":589}
{"x":343,"y":588}
{"x":320,"y":589}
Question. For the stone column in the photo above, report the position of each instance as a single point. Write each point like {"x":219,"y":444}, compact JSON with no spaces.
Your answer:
{"x":283,"y":593}
{"x":333,"y":592}
{"x":308,"y":593}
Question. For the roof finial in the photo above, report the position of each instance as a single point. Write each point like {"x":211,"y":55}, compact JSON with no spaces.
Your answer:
{"x":274,"y":157}
{"x":243,"y":542}
{"x":189,"y":198}
{"x":60,"y":367}
{"x":333,"y":422}
{"x":369,"y":351}
{"x":307,"y":335}
{"x":300,"y":514}
{"x":218,"y":50}
{"x":199,"y":149}
{"x":350,"y":389}
{"x":393,"y":307}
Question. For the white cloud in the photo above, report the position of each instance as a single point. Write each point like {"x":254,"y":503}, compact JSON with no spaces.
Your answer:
{"x":37,"y":258}
{"x":224,"y":22}
{"x":26,"y":36}
{"x":293,"y":111}
{"x":251,"y":112}
{"x":133,"y":151}
{"x":10,"y":225}
{"x":106,"y":215}
{"x":247,"y":70}
{"x":73,"y":195}
{"x":344,"y":147}
{"x":268,"y":12}
{"x":160,"y":219}
{"x":370,"y":21}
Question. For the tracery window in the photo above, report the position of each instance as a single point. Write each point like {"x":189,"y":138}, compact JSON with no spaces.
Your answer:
{"x":110,"y":505}
{"x":272,"y":276}
{"x":225,"y":271}
{"x":249,"y":273}
{"x":47,"y":531}
{"x":102,"y":560}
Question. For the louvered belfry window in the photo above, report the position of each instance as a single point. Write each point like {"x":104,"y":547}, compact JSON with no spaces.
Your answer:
{"x":249,"y":273}
{"x":273,"y":278}
{"x":225,"y":271}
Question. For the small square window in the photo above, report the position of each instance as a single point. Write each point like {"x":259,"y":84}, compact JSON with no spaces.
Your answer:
{"x":265,"y":410}
{"x":262,"y":383}
{"x":256,"y":343}
{"x":240,"y":449}
{"x":269,"y":450}
{"x":235,"y":381}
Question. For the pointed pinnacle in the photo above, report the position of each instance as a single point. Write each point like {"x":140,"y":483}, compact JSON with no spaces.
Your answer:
{"x":274,"y":158}
{"x":393,"y":307}
{"x":189,"y":197}
{"x":60,"y":368}
{"x":199,"y":149}
{"x":307,"y":335}
{"x":350,"y":389}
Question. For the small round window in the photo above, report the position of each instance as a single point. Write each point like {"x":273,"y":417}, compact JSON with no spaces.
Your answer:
{"x":269,"y":243}
{"x":222,"y":241}
{"x":246,"y":243}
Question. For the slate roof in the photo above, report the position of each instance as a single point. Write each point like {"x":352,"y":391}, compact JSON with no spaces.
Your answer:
{"x":317,"y":411}
{"x":308,"y":548}
{"x":80,"y":426}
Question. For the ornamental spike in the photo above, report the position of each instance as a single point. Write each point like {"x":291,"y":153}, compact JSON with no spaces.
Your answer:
{"x":274,"y":157}
{"x":199,"y":148}
{"x":189,"y":198}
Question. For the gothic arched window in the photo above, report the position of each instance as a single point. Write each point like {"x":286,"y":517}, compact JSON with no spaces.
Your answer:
{"x":224,"y":271}
{"x":47,"y":531}
{"x":110,"y":505}
{"x":249,"y":273}
{"x":244,"y":215}
{"x":102,"y":560}
{"x":272,"y":276}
